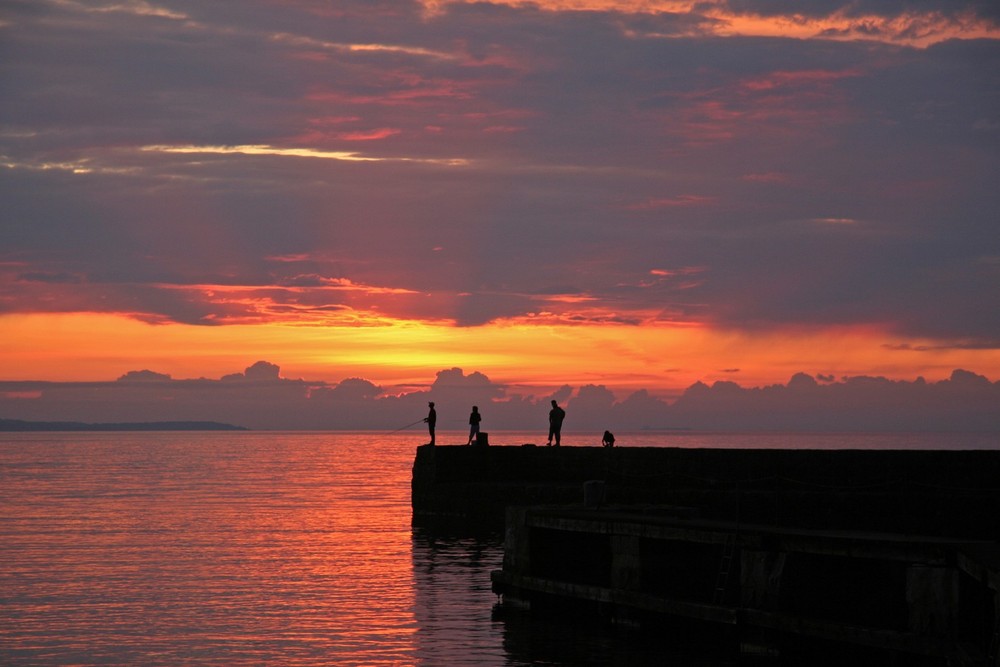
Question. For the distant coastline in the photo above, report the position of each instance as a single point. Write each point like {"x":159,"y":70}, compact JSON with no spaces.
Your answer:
{"x":21,"y":425}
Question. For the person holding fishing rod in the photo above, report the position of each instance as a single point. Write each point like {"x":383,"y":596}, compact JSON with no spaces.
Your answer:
{"x":431,"y":420}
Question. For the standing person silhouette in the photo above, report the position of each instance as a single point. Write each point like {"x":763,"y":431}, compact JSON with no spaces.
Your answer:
{"x":556,"y":416}
{"x":474,"y":420}
{"x":431,"y":420}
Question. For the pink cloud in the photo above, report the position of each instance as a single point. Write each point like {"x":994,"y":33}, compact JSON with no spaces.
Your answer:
{"x":21,"y":395}
{"x":796,"y":79}
{"x":502,"y":129}
{"x":370,"y":135}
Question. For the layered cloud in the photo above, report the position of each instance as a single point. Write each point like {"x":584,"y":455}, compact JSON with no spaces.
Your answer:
{"x":738,"y":165}
{"x":261,"y":398}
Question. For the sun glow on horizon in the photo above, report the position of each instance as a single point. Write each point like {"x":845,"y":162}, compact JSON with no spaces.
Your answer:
{"x":660,"y":358}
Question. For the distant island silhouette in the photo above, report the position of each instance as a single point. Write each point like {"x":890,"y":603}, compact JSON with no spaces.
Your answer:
{"x":20,"y":425}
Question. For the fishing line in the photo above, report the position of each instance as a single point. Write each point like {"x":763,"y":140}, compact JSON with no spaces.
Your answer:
{"x":404,"y":427}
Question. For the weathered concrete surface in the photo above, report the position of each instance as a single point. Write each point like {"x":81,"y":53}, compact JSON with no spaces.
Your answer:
{"x":894,"y":599}
{"x":946,"y":493}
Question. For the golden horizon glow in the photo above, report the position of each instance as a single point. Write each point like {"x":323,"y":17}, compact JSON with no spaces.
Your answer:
{"x":662,"y":358}
{"x":274,"y":151}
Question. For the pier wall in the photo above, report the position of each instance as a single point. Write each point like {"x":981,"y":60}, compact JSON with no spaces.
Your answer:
{"x":807,"y":596}
{"x":945,"y":493}
{"x":893,"y":556}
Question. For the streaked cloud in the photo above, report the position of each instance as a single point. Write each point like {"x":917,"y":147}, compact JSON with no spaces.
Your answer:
{"x":735,"y":169}
{"x":136,"y":7}
{"x":346,"y":156}
{"x":311,"y":43}
{"x":872,"y":20}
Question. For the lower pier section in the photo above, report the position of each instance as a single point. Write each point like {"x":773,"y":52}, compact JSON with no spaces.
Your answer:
{"x":790,"y":595}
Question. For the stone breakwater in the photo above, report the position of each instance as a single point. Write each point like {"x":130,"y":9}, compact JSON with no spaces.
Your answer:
{"x":942,"y":493}
{"x":800,"y":556}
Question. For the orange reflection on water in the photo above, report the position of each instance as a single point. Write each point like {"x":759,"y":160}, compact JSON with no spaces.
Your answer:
{"x":172,"y":548}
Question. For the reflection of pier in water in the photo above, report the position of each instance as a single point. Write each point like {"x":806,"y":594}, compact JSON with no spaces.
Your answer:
{"x":452,"y":603}
{"x":872,"y":556}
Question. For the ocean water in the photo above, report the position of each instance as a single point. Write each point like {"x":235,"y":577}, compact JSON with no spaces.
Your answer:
{"x":267,"y":548}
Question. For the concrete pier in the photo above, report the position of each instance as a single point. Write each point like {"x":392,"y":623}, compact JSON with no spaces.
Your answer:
{"x":885,"y":557}
{"x":944,"y":493}
{"x":881,"y":598}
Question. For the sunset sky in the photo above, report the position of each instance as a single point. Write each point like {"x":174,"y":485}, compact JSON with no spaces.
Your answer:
{"x":639,"y":194}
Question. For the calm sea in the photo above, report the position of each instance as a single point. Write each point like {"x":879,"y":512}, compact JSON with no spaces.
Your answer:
{"x":277,"y":549}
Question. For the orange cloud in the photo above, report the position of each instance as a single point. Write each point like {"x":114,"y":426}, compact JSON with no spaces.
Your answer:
{"x":913,"y":27}
{"x":370,"y":135}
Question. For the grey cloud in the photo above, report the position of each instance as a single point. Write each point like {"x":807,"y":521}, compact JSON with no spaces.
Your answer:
{"x":262,"y":370}
{"x":144,"y":376}
{"x":863,"y":8}
{"x":453,"y":386}
{"x":351,"y":389}
{"x":259,"y":398}
{"x":44,"y":277}
{"x":862,"y":403}
{"x":561,"y":394}
{"x":594,"y":120}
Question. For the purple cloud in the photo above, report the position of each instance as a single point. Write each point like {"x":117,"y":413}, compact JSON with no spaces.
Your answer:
{"x":260,"y":398}
{"x":465,"y":165}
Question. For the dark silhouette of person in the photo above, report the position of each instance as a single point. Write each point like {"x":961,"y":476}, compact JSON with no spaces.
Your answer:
{"x":474,"y":420}
{"x":609,"y":439}
{"x":556,"y":416}
{"x":431,"y":420}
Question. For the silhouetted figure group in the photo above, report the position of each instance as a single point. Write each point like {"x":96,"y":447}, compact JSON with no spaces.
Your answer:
{"x":474,"y":419}
{"x":556,"y":417}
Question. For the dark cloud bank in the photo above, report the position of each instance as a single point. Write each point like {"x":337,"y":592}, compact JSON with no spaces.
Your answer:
{"x":762,"y":181}
{"x":260,"y":398}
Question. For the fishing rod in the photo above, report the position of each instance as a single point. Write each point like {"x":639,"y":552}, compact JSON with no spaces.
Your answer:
{"x":405,"y":427}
